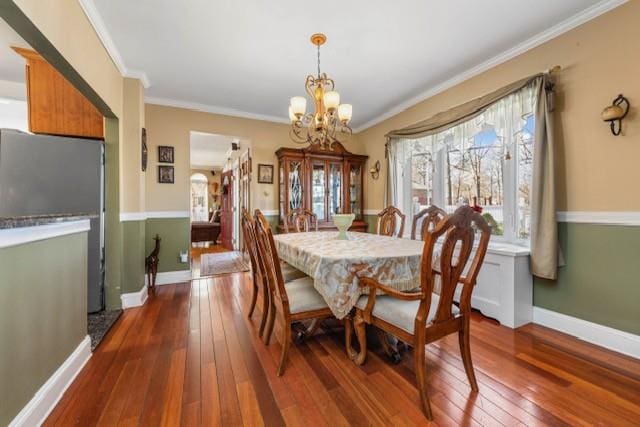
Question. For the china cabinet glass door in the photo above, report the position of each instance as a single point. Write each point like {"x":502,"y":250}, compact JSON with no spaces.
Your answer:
{"x":295,"y":185}
{"x":318,"y":190}
{"x":335,"y":188}
{"x":355,"y":189}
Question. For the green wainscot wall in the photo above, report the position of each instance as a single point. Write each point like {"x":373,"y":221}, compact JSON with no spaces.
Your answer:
{"x":175,"y":235}
{"x":43,"y":314}
{"x":600,"y":281}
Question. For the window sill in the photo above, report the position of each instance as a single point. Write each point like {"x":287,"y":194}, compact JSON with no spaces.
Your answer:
{"x":508,"y":249}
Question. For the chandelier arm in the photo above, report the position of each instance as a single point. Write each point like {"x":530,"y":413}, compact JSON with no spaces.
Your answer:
{"x":294,"y":134}
{"x":330,"y":82}
{"x":309,"y":84}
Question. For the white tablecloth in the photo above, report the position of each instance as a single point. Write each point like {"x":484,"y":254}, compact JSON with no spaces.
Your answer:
{"x":335,"y":265}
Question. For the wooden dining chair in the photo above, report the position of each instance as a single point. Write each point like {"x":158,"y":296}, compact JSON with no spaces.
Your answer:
{"x":419,"y":318}
{"x":426,"y":219}
{"x":295,"y":301}
{"x":299,"y":220}
{"x":289,"y":272}
{"x":387,"y":222}
{"x":257,"y":268}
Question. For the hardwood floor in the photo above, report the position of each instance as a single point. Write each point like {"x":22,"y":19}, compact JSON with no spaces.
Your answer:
{"x":190,"y":356}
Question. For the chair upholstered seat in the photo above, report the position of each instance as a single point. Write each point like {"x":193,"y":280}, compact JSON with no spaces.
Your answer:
{"x":303,"y":297}
{"x":401,"y":313}
{"x":290,"y":273}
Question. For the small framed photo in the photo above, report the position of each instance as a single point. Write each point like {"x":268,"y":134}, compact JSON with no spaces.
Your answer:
{"x":165,"y":174}
{"x":265,"y":174}
{"x":165,"y":154}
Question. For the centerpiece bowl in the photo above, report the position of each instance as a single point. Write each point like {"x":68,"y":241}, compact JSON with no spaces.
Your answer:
{"x":343,"y":222}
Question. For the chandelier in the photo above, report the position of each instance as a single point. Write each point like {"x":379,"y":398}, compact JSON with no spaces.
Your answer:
{"x":329,"y":122}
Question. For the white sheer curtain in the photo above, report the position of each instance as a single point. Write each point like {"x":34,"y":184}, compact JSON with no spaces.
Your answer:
{"x":478,"y":154}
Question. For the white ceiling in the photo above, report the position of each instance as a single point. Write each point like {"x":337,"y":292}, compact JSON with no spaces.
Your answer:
{"x":11,"y":64}
{"x":248,"y":57}
{"x":209,"y":150}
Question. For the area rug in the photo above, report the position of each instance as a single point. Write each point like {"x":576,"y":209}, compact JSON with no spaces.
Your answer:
{"x":223,"y":263}
{"x":98,"y":324}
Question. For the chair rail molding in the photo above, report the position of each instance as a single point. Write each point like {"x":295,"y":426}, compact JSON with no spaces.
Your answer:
{"x":141,"y":216}
{"x":630,"y":218}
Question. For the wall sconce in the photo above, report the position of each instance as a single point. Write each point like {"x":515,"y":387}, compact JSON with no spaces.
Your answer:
{"x":375,"y":170}
{"x":615,"y":112}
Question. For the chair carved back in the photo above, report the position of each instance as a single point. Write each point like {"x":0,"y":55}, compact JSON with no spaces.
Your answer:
{"x":428,"y":219}
{"x":387,"y":223}
{"x":299,"y":220}
{"x":260,"y":218}
{"x":249,"y":235}
{"x":269,"y":255}
{"x":458,"y":231}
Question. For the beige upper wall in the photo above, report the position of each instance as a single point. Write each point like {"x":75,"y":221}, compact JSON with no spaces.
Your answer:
{"x":600,"y":60}
{"x":172,"y":126}
{"x":132,"y":197}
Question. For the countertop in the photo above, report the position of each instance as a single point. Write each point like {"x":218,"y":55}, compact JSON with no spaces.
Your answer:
{"x":45,"y":219}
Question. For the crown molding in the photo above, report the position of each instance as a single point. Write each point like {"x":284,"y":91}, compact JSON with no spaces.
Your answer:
{"x":540,"y":38}
{"x":206,"y":108}
{"x":92,"y":14}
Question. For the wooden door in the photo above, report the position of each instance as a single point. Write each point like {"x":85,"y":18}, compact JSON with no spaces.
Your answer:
{"x":245,"y":193}
{"x":226,"y":210}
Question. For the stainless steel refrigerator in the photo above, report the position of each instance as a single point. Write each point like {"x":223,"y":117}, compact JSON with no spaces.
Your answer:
{"x":42,"y":175}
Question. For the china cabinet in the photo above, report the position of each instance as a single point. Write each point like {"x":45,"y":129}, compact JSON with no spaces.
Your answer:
{"x":325,"y":182}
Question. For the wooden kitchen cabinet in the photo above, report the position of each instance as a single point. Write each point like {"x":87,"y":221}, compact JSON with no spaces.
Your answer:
{"x":55,"y":106}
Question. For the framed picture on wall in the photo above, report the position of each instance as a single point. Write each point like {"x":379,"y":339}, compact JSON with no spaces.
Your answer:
{"x":165,"y":154}
{"x":165,"y":174}
{"x":265,"y":174}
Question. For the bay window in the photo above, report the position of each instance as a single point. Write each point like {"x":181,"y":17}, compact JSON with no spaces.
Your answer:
{"x":485,"y":161}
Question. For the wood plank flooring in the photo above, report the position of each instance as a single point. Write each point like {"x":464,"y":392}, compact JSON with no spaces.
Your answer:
{"x":190,"y":356}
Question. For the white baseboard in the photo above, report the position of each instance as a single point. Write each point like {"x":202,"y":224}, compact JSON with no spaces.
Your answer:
{"x":604,"y":336}
{"x":46,"y":398}
{"x":169,"y":277}
{"x":134,"y":299}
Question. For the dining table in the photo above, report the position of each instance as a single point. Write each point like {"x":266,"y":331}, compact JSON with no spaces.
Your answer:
{"x":337,"y":265}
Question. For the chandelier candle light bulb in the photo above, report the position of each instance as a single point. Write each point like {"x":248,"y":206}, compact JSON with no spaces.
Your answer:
{"x":323,"y":127}
{"x":344,"y":112}
{"x":298,"y":106}
{"x":331,"y":100}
